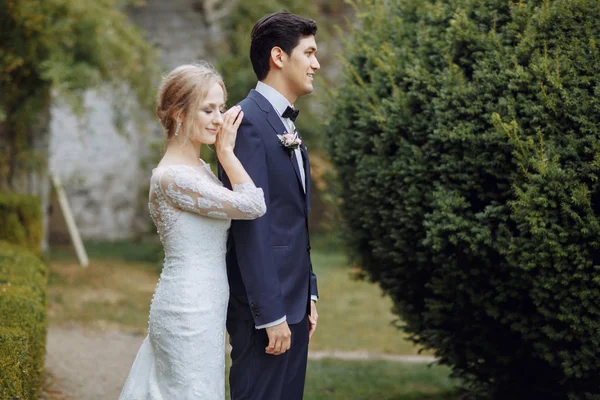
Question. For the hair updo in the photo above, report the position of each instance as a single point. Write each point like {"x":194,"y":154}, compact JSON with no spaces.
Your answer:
{"x":181,"y":94}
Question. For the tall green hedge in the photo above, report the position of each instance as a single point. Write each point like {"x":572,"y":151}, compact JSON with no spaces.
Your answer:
{"x":21,"y":220}
{"x":466,"y":134}
{"x":23,"y":322}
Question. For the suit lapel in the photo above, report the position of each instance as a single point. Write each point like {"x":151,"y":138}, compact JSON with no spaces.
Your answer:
{"x":307,"y":175}
{"x":296,"y":168}
{"x":279,"y":128}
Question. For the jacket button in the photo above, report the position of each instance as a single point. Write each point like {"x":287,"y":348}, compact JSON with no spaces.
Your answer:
{"x":308,"y":248}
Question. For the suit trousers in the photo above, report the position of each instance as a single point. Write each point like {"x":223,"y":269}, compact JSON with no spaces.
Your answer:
{"x":256,"y":375}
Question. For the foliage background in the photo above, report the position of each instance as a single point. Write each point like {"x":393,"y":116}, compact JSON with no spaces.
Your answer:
{"x":52,"y":50}
{"x":466,"y":137}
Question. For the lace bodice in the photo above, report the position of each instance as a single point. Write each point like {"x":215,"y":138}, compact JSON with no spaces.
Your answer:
{"x":176,"y":188}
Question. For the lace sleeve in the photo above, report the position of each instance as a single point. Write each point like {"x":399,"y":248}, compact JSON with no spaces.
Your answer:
{"x":190,"y":190}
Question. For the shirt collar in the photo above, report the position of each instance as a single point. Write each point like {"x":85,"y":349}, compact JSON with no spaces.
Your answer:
{"x":277,"y":100}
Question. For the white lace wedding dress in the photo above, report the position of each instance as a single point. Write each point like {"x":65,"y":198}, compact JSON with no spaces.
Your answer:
{"x":183,"y":356}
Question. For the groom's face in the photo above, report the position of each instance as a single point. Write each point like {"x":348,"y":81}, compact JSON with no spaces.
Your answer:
{"x":300,"y":66}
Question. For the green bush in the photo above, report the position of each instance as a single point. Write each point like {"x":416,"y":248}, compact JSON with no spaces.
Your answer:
{"x":21,"y":220}
{"x":466,"y":137}
{"x":23,"y":322}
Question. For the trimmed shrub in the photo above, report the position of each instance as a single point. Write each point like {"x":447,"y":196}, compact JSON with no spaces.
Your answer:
{"x":23,"y":322}
{"x":21,"y":220}
{"x":467,"y":140}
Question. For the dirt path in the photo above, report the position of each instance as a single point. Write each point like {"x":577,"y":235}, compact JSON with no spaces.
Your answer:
{"x":90,"y":365}
{"x":93,"y":365}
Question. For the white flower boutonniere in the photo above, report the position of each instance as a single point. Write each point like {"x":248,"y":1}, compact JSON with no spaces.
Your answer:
{"x":290,"y":141}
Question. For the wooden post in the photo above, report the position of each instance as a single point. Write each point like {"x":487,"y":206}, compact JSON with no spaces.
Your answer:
{"x":73,"y":231}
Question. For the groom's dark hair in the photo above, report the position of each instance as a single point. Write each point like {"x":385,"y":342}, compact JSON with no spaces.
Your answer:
{"x":282,"y":29}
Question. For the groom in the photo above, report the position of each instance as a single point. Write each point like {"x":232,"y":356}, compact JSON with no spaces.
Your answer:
{"x":273,"y":291}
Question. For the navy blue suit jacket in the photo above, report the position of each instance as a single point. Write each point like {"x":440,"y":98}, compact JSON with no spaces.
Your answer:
{"x":268,"y":259}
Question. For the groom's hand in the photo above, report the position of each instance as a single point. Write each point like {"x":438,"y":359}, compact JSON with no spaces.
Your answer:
{"x":312,"y":319}
{"x":280,"y":339}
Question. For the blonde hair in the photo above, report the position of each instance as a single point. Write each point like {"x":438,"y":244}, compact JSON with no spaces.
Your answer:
{"x":181,"y":94}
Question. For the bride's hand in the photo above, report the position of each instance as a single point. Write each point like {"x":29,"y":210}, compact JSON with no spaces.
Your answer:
{"x":225,"y":142}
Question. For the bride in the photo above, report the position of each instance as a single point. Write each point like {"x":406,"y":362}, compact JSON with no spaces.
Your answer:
{"x":183,"y":355}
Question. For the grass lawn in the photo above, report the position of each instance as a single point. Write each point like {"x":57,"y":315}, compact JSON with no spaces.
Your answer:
{"x":370,"y":380}
{"x":353,"y":314}
{"x":108,"y":294}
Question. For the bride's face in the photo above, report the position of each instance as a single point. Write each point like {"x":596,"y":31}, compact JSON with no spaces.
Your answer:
{"x":210,"y":116}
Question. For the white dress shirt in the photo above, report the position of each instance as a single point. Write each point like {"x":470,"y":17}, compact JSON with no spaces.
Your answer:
{"x":280,"y":103}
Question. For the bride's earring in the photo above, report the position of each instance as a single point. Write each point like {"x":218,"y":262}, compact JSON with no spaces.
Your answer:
{"x":178,"y":126}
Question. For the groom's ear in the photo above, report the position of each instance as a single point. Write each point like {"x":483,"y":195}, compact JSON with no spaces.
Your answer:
{"x":278,"y":56}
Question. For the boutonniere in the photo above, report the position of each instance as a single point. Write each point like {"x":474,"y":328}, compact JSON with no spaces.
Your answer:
{"x":290,"y":141}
